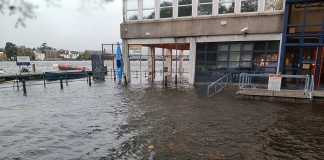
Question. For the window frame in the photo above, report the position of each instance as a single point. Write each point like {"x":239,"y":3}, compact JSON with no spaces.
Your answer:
{"x":148,"y":9}
{"x":205,"y":3}
{"x":247,"y":12}
{"x":231,"y":13}
{"x":184,"y":5}
{"x":273,"y":11}
{"x":132,"y":10}
{"x":172,"y":9}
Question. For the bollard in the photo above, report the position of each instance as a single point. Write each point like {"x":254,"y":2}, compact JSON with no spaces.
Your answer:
{"x":61,"y":83}
{"x":114,"y":75}
{"x":90,"y":83}
{"x":24,"y":87}
{"x":34,"y":67}
{"x":176,"y":80}
{"x":44,"y":80}
{"x":17,"y":81}
{"x":166,"y":81}
{"x":125,"y":80}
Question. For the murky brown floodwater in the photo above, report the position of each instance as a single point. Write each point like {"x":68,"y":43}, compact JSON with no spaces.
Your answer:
{"x":109,"y":122}
{"x":182,"y":125}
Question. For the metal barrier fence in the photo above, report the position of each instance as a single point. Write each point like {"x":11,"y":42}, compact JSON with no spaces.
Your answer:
{"x":219,"y":85}
{"x":306,"y":82}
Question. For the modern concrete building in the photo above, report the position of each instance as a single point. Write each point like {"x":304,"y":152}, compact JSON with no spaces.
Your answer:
{"x":221,"y":35}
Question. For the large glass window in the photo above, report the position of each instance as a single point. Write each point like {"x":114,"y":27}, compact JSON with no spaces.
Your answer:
{"x":246,"y":55}
{"x":266,"y":56}
{"x":215,"y":58}
{"x":273,"y":5}
{"x":132,"y":9}
{"x":148,"y":9}
{"x":185,"y":8}
{"x":166,"y":8}
{"x":249,"y":5}
{"x":222,"y":56}
{"x":226,"y":6}
{"x":234,"y":58}
{"x":205,"y":7}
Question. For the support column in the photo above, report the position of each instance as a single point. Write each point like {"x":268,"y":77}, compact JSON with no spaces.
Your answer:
{"x":283,"y":49}
{"x":126,"y":61}
{"x":192,"y":61}
{"x":180,"y":61}
{"x":168,"y":64}
{"x":151,"y":64}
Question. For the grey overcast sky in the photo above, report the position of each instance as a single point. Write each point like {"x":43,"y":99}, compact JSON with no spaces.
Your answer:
{"x":74,"y":25}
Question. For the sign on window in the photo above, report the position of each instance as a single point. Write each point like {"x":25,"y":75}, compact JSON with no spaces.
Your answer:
{"x":274,"y":83}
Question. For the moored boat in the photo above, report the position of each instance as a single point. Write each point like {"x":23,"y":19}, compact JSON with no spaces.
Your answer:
{"x":54,"y":76}
{"x":2,"y":71}
{"x":68,"y":67}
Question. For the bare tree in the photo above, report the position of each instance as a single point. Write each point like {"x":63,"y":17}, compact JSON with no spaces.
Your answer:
{"x":25,"y":9}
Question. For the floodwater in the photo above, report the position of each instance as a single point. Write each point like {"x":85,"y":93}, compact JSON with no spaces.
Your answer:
{"x":112,"y":122}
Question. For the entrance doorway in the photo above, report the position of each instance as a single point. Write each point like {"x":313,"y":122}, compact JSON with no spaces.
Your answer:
{"x":306,"y":61}
{"x":318,"y":70}
{"x":321,"y":74}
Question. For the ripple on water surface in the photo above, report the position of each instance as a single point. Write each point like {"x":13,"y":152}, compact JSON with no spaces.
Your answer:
{"x":110,"y":122}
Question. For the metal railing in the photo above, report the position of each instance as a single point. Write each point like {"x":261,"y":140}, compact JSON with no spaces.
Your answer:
{"x":248,"y":81}
{"x":219,"y":85}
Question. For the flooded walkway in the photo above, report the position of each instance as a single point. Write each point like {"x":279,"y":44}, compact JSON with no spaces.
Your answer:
{"x":109,"y":122}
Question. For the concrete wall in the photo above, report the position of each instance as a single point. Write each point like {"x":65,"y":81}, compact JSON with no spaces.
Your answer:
{"x":261,"y":23}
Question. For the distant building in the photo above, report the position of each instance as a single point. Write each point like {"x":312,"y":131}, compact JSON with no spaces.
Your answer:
{"x":53,"y":55}
{"x":3,"y":56}
{"x":39,"y":56}
{"x":74,"y":54}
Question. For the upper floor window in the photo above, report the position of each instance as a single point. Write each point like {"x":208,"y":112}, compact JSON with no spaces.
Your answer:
{"x":166,"y":8}
{"x":226,"y":6}
{"x":273,"y":5}
{"x":205,"y":7}
{"x":132,"y":9}
{"x":148,"y":9}
{"x":185,"y":8}
{"x":249,"y":5}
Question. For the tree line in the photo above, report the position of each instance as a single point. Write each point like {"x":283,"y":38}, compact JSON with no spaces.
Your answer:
{"x":11,"y":52}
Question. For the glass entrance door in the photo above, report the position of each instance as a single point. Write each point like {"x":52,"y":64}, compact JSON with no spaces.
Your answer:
{"x":318,"y":70}
{"x":321,"y":78}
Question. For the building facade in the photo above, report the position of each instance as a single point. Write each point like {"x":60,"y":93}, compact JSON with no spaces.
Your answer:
{"x":3,"y":56}
{"x":221,"y":35}
{"x":302,"y":49}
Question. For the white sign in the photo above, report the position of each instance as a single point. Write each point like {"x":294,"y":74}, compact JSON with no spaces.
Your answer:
{"x":23,"y":60}
{"x":274,"y":83}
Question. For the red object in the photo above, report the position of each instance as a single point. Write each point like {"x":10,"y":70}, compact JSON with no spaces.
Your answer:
{"x":68,"y":67}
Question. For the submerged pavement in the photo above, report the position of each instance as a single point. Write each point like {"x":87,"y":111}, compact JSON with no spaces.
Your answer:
{"x":107,"y":121}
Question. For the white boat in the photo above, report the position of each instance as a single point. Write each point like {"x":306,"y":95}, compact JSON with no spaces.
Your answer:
{"x":2,"y":71}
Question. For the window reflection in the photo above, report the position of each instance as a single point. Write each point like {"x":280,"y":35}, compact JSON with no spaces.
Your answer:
{"x":132,"y":4}
{"x":205,"y":7}
{"x":273,"y":5}
{"x":185,"y":8}
{"x":249,"y":5}
{"x":166,"y":9}
{"x":132,"y":9}
{"x":132,"y":15}
{"x":226,"y":6}
{"x":149,"y":14}
{"x":148,"y":9}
